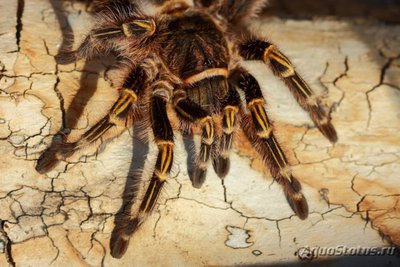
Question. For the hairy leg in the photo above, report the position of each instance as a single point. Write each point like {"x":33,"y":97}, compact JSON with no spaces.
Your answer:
{"x":164,"y":138}
{"x":191,"y":112}
{"x":255,"y":49}
{"x":230,"y":109}
{"x":116,"y":118}
{"x":259,"y":130}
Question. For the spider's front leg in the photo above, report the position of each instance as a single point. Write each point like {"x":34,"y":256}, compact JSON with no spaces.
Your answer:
{"x":120,"y":25}
{"x":258,"y":129}
{"x":165,"y":141}
{"x":117,"y":118}
{"x":193,"y":113}
{"x":230,"y":109}
{"x":282,"y":67}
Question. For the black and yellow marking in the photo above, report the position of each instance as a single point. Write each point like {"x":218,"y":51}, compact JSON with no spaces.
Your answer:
{"x":221,"y":162}
{"x":262,"y":126}
{"x":208,"y":130}
{"x":124,"y":103}
{"x":95,"y":132}
{"x":261,"y":122}
{"x":283,"y":68}
{"x":164,"y":138}
{"x":151,"y":195}
{"x":277,"y":154}
{"x":264,"y":131}
{"x":139,"y":27}
{"x":164,"y":161}
{"x":107,"y":33}
{"x":208,"y":133}
{"x":300,"y":86}
{"x":279,"y":61}
{"x":194,"y":113}
{"x":204,"y":153}
{"x":160,"y":175}
{"x":229,"y":119}
{"x":118,"y":112}
{"x":207,"y":140}
{"x":228,"y":125}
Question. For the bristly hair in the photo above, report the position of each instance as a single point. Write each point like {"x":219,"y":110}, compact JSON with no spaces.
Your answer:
{"x":117,"y":11}
{"x":236,"y":11}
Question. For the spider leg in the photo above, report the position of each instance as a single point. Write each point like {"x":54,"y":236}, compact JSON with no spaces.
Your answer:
{"x":239,"y":10}
{"x":258,"y":129}
{"x":164,"y":138}
{"x":192,"y":112}
{"x":117,"y":117}
{"x":283,"y":68}
{"x":203,"y":3}
{"x":230,"y":109}
{"x":118,"y":21}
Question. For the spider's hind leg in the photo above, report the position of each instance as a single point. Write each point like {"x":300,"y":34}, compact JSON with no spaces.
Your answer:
{"x":258,"y":130}
{"x":117,"y":117}
{"x":283,"y":68}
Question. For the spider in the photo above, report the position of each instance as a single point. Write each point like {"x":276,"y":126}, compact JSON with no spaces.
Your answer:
{"x":186,"y":59}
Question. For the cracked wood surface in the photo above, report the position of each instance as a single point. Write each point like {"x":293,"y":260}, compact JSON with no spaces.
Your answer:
{"x":67,"y":215}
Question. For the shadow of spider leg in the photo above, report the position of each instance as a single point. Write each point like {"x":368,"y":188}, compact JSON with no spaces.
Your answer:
{"x":281,"y":66}
{"x":258,"y":130}
{"x":118,"y":118}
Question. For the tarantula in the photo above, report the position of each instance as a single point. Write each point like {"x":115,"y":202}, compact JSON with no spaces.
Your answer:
{"x":188,"y":58}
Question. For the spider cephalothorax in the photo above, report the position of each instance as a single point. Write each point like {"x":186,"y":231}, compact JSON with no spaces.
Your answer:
{"x":188,"y":57}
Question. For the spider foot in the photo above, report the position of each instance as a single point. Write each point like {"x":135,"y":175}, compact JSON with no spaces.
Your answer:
{"x":328,"y":130}
{"x":198,"y":177}
{"x":221,"y":166}
{"x":121,"y":236}
{"x":295,"y":197}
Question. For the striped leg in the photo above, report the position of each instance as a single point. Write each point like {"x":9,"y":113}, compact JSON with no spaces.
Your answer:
{"x":221,"y":161}
{"x":283,"y":68}
{"x":117,"y":117}
{"x":192,"y":112}
{"x":258,"y":129}
{"x":164,"y":138}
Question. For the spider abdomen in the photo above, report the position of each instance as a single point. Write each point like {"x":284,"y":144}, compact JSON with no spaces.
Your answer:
{"x":209,"y":93}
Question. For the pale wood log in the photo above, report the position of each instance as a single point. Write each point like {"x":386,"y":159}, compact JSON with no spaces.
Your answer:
{"x":65,"y":217}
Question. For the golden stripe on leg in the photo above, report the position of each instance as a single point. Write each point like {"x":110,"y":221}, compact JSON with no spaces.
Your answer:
{"x":307,"y":99}
{"x":164,"y":138}
{"x":221,"y":162}
{"x":283,"y":68}
{"x":207,"y":140}
{"x":259,"y":131}
{"x":275,"y":159}
{"x":118,"y":113}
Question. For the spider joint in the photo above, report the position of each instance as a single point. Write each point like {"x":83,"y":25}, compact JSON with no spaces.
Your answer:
{"x":179,"y":95}
{"x":265,"y":133}
{"x":286,"y":172}
{"x":139,"y":27}
{"x":252,"y":103}
{"x":164,"y":93}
